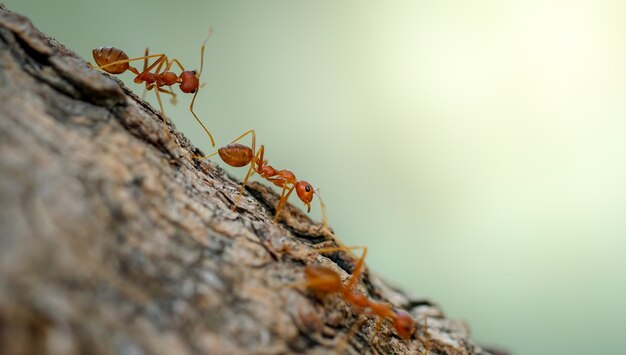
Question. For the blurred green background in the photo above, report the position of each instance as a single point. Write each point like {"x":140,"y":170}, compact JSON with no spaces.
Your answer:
{"x":478,"y":148}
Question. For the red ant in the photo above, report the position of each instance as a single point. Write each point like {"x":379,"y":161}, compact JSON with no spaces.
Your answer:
{"x":324,"y":280}
{"x":238,"y":155}
{"x":115,"y":61}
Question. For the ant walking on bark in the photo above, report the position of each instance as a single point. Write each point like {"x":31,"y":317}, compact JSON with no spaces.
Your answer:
{"x":156,"y":76}
{"x":324,"y":280}
{"x":238,"y":155}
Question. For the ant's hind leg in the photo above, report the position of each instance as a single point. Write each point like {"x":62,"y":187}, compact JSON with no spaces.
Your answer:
{"x":250,"y":131}
{"x":251,"y":170}
{"x":172,"y":61}
{"x":202,"y":157}
{"x":130,"y":60}
{"x":243,"y":185}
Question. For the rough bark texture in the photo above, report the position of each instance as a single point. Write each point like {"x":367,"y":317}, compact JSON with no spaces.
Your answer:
{"x":114,"y":239}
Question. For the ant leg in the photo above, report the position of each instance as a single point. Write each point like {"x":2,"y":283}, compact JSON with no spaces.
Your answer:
{"x":250,"y":131}
{"x":158,"y":62}
{"x":251,"y":172}
{"x":342,"y":248}
{"x":379,"y":323}
{"x":165,"y":131}
{"x":198,"y":119}
{"x":145,"y":60}
{"x":360,"y":264}
{"x":173,"y":100}
{"x":325,"y":223}
{"x":157,"y":71}
{"x":243,"y":185}
{"x":130,"y":60}
{"x":177,"y":62}
{"x":145,"y":66}
{"x":323,"y":208}
{"x":172,"y":61}
{"x":234,"y":141}
{"x":358,"y":270}
{"x":283,"y":199}
{"x":196,"y":93}
{"x":202,"y":52}
{"x":282,"y":195}
{"x":261,"y":161}
{"x":351,"y":332}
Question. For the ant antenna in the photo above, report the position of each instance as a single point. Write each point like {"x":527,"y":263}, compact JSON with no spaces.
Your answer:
{"x":325,"y":225}
{"x":202,"y":51}
{"x":193,"y":100}
{"x":323,"y":208}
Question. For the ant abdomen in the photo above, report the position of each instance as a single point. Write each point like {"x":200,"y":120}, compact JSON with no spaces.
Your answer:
{"x":107,"y":55}
{"x":236,"y":155}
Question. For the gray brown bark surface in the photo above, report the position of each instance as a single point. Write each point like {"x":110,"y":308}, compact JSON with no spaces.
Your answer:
{"x":114,"y":239}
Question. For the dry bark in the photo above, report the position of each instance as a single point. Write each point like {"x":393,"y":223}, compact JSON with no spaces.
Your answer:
{"x":114,"y":239}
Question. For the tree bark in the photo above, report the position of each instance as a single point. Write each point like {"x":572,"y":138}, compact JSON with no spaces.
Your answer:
{"x":114,"y":239}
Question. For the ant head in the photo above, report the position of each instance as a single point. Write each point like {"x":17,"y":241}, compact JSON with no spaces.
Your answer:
{"x":305,"y":193}
{"x":404,"y":324}
{"x":189,"y":81}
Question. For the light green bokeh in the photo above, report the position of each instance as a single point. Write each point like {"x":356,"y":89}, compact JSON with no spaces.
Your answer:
{"x":478,"y":148}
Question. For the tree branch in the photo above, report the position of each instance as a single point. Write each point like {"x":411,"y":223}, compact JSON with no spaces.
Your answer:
{"x":115,"y":240}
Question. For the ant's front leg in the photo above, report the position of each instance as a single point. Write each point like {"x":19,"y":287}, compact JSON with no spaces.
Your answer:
{"x":283,"y":198}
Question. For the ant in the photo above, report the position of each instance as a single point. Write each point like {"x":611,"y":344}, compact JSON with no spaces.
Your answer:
{"x":114,"y":61}
{"x":238,"y":155}
{"x":324,"y":280}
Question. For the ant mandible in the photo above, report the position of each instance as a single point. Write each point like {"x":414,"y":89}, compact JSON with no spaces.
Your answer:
{"x":238,"y":155}
{"x":115,"y":61}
